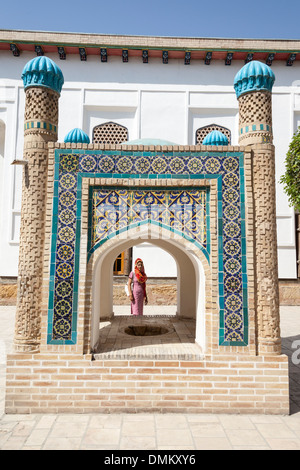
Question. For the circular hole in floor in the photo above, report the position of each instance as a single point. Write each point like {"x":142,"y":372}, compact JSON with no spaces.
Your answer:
{"x":146,"y":330}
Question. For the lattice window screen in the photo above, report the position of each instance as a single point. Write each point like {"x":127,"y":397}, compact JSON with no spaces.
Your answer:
{"x":110,"y":133}
{"x":202,"y":132}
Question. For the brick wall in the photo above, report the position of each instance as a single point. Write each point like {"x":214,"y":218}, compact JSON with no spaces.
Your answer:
{"x":40,"y":383}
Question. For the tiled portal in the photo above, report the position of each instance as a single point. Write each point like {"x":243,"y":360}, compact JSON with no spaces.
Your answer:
{"x":185,"y":210}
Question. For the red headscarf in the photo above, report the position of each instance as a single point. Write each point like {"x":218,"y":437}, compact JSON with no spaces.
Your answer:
{"x":140,"y":275}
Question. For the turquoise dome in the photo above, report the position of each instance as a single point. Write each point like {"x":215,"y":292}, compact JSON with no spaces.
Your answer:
{"x":253,"y":76}
{"x":215,"y":138}
{"x":77,"y":136}
{"x":43,"y":72}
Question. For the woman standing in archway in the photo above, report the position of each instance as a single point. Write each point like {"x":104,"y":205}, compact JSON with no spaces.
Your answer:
{"x":137,"y":288}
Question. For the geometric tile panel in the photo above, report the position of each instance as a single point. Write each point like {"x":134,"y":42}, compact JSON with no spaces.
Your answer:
{"x":71,"y":166}
{"x":116,"y":210}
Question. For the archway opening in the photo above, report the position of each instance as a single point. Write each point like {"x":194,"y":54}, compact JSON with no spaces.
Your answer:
{"x":161,"y":286}
{"x":185,"y":335}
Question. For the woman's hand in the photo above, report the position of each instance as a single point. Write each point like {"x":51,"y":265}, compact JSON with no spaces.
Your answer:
{"x":130,"y":290}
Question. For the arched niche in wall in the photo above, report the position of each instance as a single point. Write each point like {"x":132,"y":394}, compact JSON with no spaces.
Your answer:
{"x":110,"y":133}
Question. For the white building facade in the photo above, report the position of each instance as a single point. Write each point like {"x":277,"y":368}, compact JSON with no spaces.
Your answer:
{"x":156,"y":88}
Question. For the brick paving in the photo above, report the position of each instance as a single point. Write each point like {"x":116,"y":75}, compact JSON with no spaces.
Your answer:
{"x":147,"y":431}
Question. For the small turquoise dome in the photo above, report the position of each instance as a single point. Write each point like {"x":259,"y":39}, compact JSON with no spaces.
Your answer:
{"x":253,"y":76}
{"x":43,"y":72}
{"x":77,"y":136}
{"x":215,"y":138}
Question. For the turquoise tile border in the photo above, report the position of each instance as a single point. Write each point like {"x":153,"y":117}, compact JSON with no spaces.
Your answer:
{"x":254,"y":128}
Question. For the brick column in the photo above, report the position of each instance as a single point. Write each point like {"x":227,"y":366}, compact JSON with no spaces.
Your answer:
{"x":253,"y":86}
{"x":265,"y":246}
{"x":40,"y":127}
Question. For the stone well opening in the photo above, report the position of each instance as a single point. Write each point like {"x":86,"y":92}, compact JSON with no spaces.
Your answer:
{"x":146,"y":330}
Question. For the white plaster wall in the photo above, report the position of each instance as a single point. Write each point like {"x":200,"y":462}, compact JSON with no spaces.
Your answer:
{"x":10,"y":179}
{"x":157,"y":262}
{"x":167,"y":101}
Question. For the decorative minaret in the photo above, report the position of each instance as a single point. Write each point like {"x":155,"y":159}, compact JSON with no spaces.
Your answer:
{"x":253,"y":85}
{"x":43,"y":81}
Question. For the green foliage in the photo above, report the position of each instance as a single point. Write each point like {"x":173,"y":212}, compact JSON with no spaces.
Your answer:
{"x":291,"y":178}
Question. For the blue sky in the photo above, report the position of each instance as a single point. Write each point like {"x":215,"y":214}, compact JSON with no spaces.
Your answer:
{"x":183,"y":18}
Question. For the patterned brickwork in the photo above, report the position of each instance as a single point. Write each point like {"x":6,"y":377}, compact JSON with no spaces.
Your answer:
{"x":267,"y":290}
{"x":255,"y":107}
{"x":255,"y":118}
{"x":202,"y":132}
{"x":110,"y":133}
{"x":27,"y":331}
{"x":41,"y":105}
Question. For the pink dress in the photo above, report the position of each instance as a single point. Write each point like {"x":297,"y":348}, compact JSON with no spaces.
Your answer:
{"x":138,"y":292}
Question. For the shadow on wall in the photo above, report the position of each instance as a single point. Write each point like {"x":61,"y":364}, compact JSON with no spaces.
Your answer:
{"x":291,"y":347}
